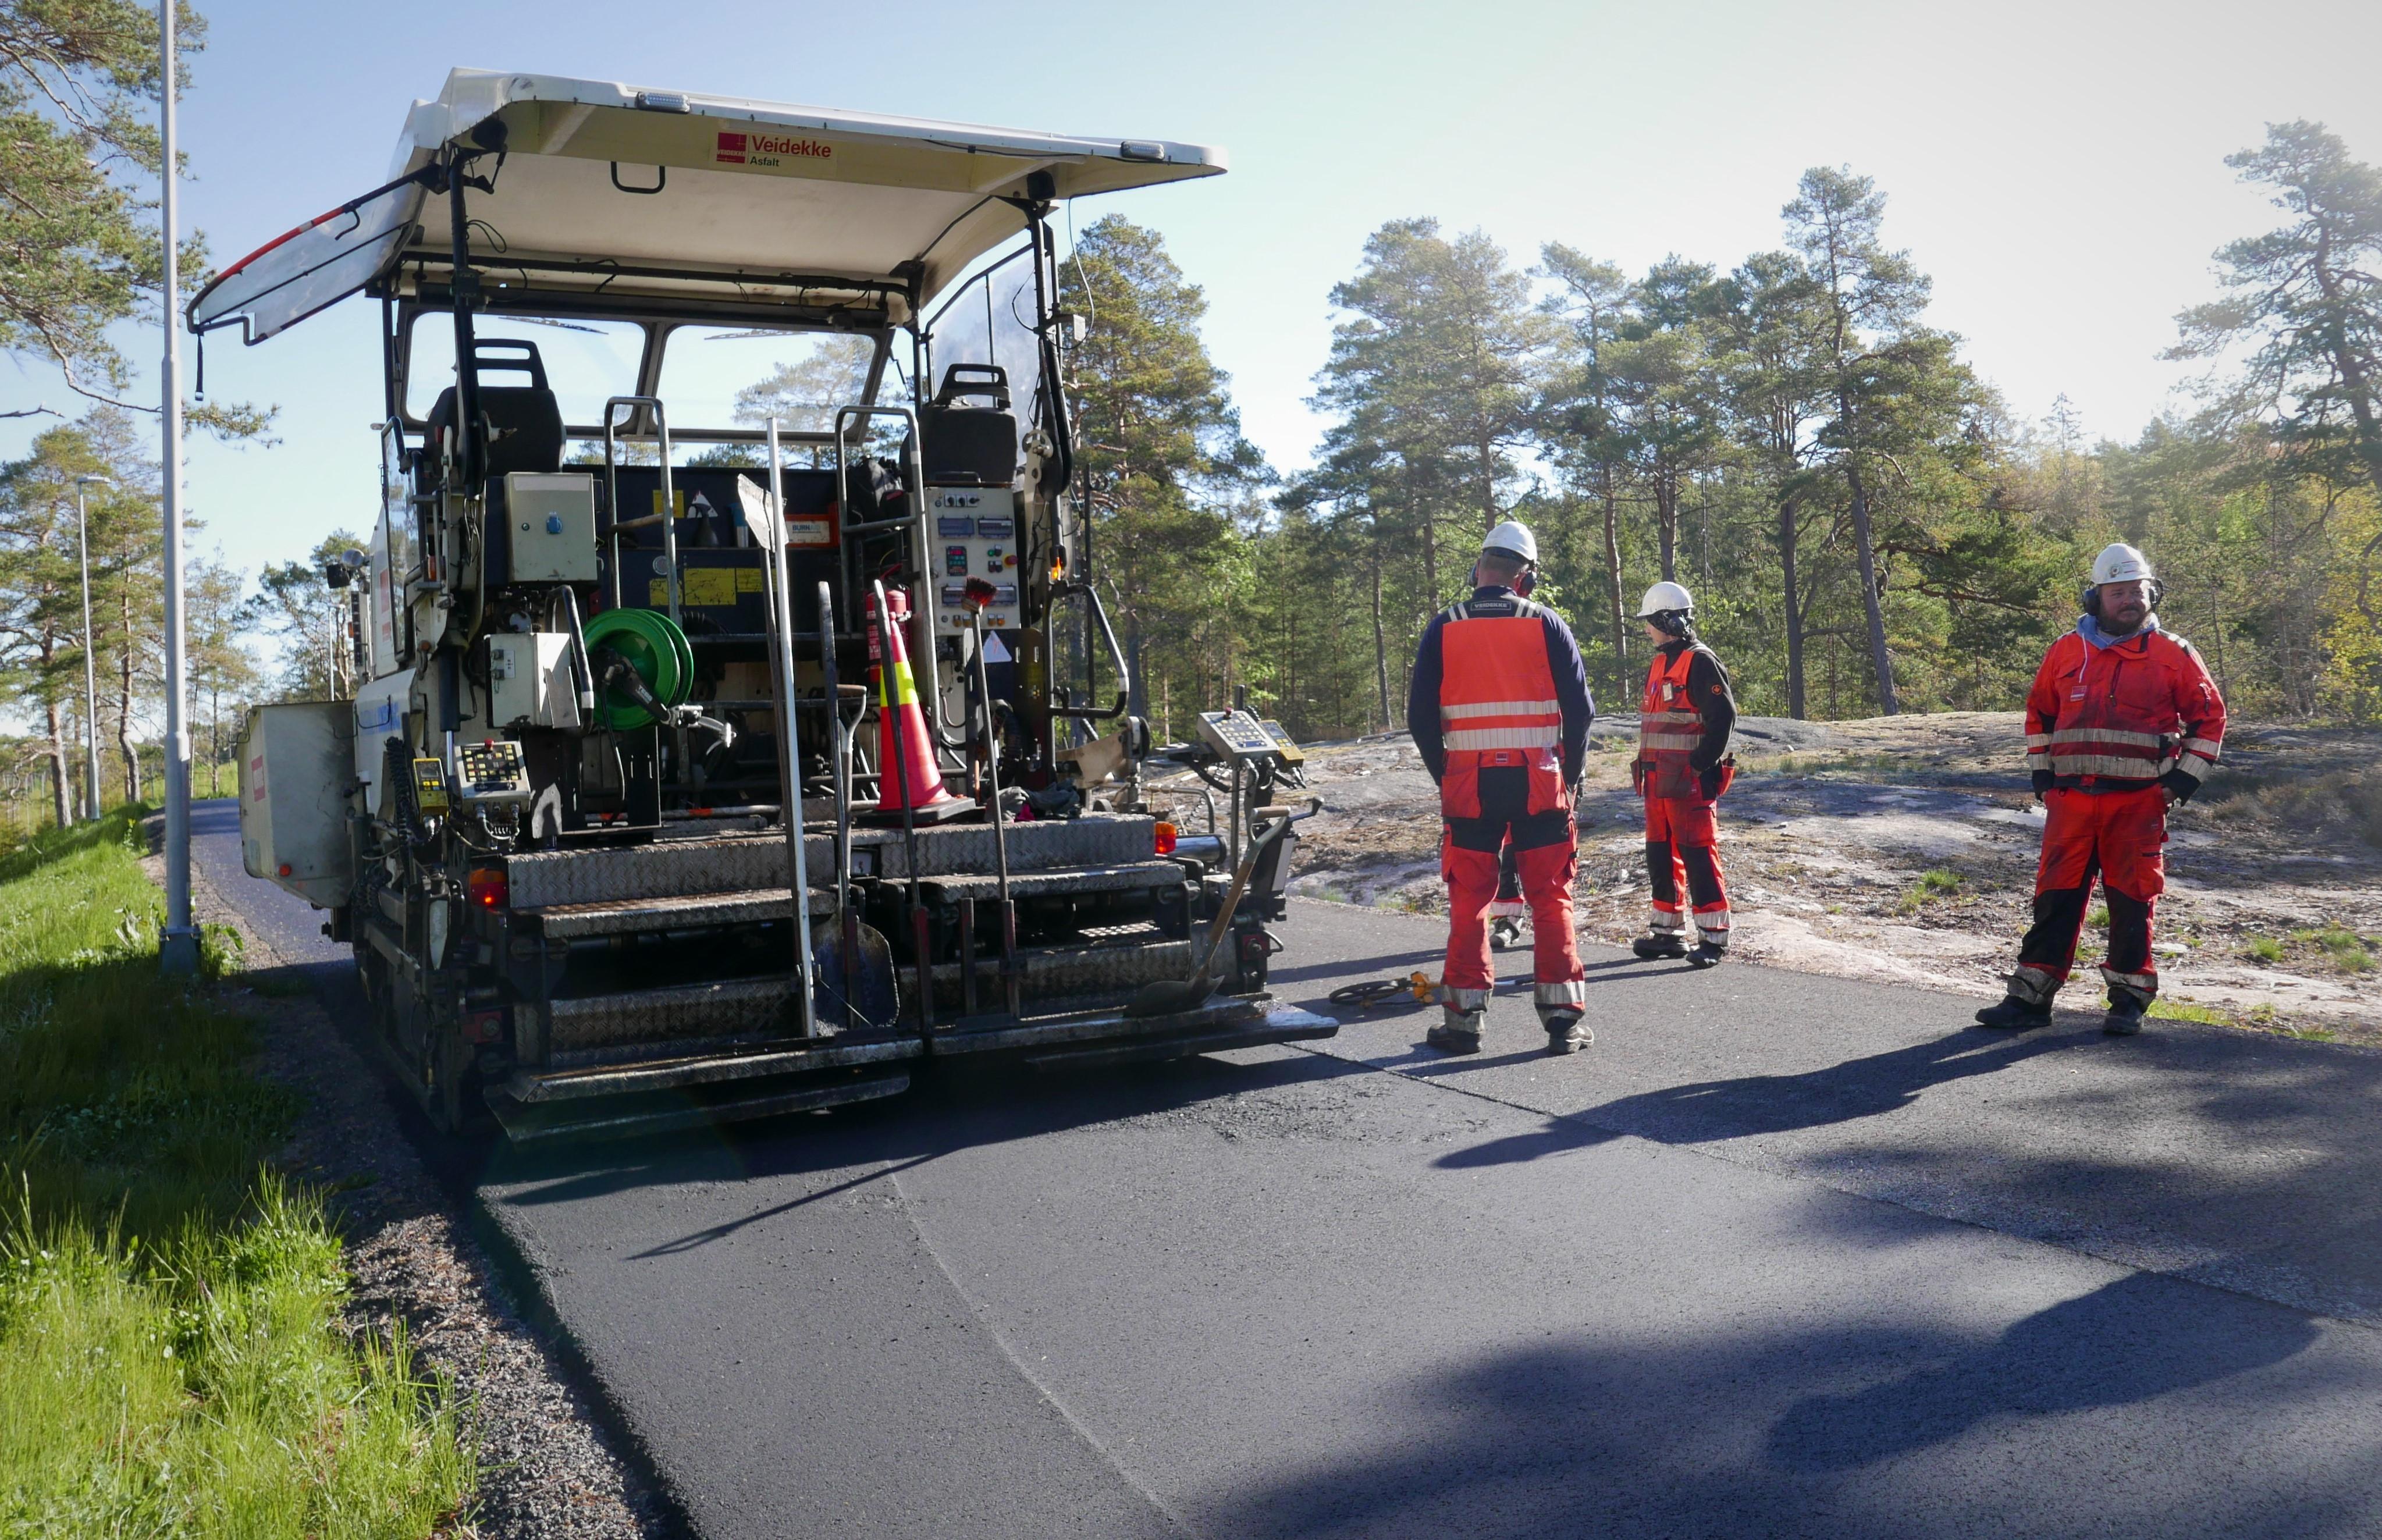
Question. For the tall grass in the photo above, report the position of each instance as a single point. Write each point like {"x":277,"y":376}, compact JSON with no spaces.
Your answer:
{"x":171,"y":1358}
{"x":202,"y":1388}
{"x":123,"y":1096}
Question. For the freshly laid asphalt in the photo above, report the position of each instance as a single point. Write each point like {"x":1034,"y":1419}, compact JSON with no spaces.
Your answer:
{"x":1781,"y":1255}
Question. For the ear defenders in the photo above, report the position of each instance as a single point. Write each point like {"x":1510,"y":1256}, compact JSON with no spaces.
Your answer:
{"x":1525,"y":580}
{"x":2091,"y":597}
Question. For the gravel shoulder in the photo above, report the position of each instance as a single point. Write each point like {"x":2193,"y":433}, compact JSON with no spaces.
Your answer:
{"x":1902,"y":850}
{"x":547,"y":1471}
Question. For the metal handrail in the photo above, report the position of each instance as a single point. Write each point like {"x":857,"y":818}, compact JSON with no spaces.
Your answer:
{"x":670,"y":497}
{"x":1116,"y":656}
{"x":922,"y":614}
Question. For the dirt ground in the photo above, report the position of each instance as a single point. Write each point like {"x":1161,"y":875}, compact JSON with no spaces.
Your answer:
{"x":1903,"y":849}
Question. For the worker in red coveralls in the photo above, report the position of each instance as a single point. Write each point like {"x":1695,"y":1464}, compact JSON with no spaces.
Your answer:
{"x":1683,"y":765}
{"x":1500,"y":708}
{"x":2122,"y":724}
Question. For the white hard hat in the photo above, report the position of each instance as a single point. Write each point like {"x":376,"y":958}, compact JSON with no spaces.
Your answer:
{"x":1512,"y":538}
{"x":1665,"y":596}
{"x":2121,"y":564}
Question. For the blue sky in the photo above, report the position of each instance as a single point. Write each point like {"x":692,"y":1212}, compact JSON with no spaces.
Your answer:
{"x":2058,"y":168}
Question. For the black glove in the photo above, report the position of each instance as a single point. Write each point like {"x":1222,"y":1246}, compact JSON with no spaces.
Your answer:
{"x":1710,"y":781}
{"x":2043,"y":779}
{"x":2180,"y":784}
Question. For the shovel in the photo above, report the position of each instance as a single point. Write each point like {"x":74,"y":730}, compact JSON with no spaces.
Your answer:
{"x":1165,"y":996}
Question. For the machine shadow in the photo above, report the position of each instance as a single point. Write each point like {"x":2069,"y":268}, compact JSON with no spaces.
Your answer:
{"x":1833,"y":1434}
{"x":948,"y":1109}
{"x":1708,"y":1110}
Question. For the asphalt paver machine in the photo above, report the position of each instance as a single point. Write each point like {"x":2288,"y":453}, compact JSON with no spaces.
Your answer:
{"x":731,"y":754}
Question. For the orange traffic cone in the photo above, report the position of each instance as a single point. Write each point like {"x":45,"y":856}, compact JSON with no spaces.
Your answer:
{"x":907,"y":777}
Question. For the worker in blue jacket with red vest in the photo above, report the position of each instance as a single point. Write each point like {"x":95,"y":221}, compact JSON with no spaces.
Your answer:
{"x":2122,"y":724}
{"x":1499,"y":706}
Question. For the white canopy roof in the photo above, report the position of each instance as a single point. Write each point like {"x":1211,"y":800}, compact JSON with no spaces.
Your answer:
{"x":610,"y":182}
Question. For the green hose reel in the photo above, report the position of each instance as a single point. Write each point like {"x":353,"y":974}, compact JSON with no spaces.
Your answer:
{"x":650,"y":642}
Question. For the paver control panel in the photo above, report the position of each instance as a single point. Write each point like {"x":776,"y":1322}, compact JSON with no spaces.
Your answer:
{"x":975,"y":534}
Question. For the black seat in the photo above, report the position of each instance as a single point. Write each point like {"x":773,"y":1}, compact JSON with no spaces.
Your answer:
{"x":524,"y":421}
{"x":970,"y":445}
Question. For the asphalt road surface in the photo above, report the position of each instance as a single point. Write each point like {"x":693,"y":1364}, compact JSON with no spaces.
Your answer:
{"x":1780,"y":1255}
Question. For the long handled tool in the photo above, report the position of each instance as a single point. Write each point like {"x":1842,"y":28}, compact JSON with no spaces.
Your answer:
{"x":886,"y":708}
{"x":779,"y":622}
{"x":839,"y":747}
{"x":979,"y":594}
{"x":1165,"y":996}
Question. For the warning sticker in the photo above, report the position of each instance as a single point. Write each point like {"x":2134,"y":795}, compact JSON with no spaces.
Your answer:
{"x":748,"y":580}
{"x":708,"y":586}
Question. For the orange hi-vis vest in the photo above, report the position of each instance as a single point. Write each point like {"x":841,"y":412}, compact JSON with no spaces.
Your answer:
{"x":1669,"y":725}
{"x":1497,"y":706}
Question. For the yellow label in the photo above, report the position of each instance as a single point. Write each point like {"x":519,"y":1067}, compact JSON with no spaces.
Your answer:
{"x":678,"y":496}
{"x":709,"y":587}
{"x":748,"y":580}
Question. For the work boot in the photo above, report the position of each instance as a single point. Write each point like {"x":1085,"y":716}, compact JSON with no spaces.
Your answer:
{"x":2125,"y":1018}
{"x":1707,"y":953}
{"x":1566,"y":1033}
{"x":1506,"y":932}
{"x":1659,"y":944}
{"x":2014,"y":1014}
{"x":1457,"y":1032}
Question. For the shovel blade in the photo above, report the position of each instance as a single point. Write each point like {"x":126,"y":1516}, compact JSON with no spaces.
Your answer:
{"x":1165,"y":996}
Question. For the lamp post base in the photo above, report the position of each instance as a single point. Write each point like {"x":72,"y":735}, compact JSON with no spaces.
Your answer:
{"x":177,"y":951}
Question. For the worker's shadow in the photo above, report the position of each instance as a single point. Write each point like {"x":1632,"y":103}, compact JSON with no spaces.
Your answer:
{"x":2098,"y":1350}
{"x":1772,"y":1103}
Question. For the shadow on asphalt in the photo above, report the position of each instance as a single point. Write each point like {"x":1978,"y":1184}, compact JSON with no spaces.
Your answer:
{"x":1768,"y":1104}
{"x":947,"y":1111}
{"x":1517,"y":1438}
{"x":2112,"y":1347}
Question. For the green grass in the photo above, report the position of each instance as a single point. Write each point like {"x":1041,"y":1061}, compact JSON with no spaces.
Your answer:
{"x":123,"y":1098}
{"x":202,"y":1388}
{"x":2264,"y":948}
{"x":171,"y":1361}
{"x":1942,"y":883}
{"x":2261,"y":1017}
{"x":2099,"y":918}
{"x":2346,"y":949}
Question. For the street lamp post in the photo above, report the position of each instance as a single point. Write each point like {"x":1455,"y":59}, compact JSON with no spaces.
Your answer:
{"x":177,"y":942}
{"x":89,"y":677}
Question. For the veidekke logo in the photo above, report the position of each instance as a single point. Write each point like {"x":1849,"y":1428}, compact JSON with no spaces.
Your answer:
{"x":757,"y":149}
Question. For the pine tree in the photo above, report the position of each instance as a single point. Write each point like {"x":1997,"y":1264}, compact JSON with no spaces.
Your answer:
{"x":1162,"y":458}
{"x":1576,"y":418}
{"x":1873,"y":298}
{"x":2307,"y":301}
